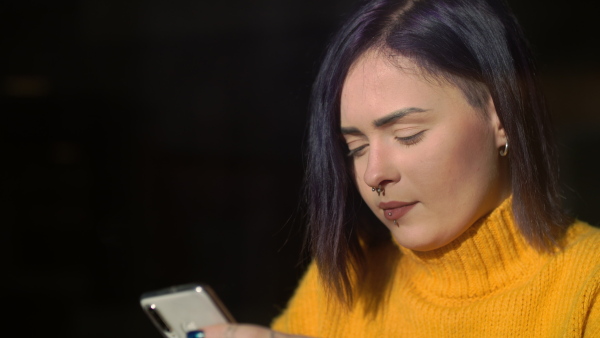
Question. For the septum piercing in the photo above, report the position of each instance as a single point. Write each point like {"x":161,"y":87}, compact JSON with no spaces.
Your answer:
{"x":379,"y":190}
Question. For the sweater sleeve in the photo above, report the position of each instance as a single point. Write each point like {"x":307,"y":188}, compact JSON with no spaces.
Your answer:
{"x":592,"y":328}
{"x":303,"y":313}
{"x":593,"y":325}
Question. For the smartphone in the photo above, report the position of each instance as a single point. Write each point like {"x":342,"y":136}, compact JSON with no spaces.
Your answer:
{"x":183,"y":308}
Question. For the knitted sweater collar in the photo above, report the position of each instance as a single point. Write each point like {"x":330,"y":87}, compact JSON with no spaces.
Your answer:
{"x":489,"y":256}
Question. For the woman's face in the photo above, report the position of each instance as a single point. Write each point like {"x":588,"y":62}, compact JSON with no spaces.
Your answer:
{"x":435,"y":156}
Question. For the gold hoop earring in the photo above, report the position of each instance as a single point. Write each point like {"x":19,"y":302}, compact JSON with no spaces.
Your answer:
{"x":504,"y":151}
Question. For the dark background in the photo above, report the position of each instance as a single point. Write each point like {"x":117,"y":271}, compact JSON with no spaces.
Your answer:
{"x":152,"y":143}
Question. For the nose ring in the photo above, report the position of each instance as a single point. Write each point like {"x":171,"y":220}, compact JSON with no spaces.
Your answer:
{"x":379,"y":190}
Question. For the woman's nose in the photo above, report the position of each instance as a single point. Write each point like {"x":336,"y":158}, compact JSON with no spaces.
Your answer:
{"x":380,"y":169}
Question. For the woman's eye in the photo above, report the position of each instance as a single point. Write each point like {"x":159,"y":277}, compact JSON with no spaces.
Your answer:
{"x":357,"y":151}
{"x":413,"y":139}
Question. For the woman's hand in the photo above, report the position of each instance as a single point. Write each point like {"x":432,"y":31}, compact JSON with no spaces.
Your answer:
{"x":238,"y":331}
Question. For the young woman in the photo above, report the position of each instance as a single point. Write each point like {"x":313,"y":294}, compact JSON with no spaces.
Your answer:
{"x":432,"y":187}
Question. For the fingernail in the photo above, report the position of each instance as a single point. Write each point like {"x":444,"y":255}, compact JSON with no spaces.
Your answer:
{"x":195,"y":334}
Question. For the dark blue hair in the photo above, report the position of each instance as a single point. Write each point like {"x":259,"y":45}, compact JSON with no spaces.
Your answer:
{"x":475,"y":44}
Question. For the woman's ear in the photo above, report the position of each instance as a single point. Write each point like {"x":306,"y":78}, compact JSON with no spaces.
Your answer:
{"x":498,"y":128}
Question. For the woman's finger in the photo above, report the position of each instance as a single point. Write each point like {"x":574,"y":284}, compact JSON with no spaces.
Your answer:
{"x":237,"y":331}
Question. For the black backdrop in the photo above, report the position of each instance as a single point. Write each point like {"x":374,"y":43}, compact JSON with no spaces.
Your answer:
{"x":152,"y":143}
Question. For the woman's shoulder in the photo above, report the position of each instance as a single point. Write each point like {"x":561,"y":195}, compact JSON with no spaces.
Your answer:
{"x":580,"y":252}
{"x":301,"y":315}
{"x":582,"y":238}
{"x":580,"y":273}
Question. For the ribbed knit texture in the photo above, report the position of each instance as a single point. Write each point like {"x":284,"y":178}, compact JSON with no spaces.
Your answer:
{"x":487,"y":283}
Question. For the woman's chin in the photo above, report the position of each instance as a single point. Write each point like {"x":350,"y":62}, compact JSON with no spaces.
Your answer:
{"x":418,"y":241}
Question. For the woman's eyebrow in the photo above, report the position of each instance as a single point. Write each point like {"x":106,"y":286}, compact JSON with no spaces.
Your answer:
{"x":383,"y":121}
{"x":350,"y":131}
{"x":396,"y":115}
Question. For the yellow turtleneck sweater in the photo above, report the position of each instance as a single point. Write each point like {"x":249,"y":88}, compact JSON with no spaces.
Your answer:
{"x":487,"y":283}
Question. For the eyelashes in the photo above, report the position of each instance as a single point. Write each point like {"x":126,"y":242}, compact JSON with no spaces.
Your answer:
{"x":406,"y":141}
{"x":357,"y":151}
{"x":411,"y":140}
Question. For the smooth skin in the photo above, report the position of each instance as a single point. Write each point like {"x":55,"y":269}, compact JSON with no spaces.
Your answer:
{"x":243,"y":331}
{"x":420,"y":140}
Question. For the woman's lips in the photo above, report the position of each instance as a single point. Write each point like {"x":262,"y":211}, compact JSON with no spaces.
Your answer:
{"x":395,"y":210}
